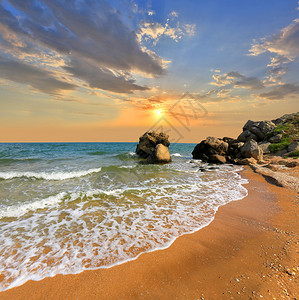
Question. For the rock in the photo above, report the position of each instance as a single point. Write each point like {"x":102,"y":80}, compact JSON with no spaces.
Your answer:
{"x":281,"y":152}
{"x":248,"y":125}
{"x":266,"y":126}
{"x":252,"y":149}
{"x":160,"y":155}
{"x":217,"y":159}
{"x":209,"y":147}
{"x":265,"y":147}
{"x":292,"y":164}
{"x":255,"y":130}
{"x":147,"y":146}
{"x":247,"y":161}
{"x":247,"y":135}
{"x":276,"y":138}
{"x":148,"y":142}
{"x":294,"y":146}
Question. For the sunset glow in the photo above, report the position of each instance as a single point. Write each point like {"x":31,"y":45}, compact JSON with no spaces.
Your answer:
{"x":108,"y":77}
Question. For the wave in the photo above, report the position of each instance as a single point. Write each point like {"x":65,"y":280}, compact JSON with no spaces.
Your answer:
{"x":127,"y":156}
{"x":13,"y":160}
{"x":20,"y":210}
{"x":48,"y":176}
{"x":176,"y":154}
{"x":96,"y":153}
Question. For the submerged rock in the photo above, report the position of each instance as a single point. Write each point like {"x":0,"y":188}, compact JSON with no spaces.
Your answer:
{"x":153,"y":145}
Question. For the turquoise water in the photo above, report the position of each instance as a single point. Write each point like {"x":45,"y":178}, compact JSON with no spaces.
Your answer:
{"x":69,"y":207}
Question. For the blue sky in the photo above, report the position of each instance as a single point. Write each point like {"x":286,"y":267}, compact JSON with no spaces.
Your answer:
{"x":96,"y":70}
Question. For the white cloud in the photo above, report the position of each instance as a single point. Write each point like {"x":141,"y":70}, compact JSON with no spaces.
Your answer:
{"x":285,"y":43}
{"x":153,"y":31}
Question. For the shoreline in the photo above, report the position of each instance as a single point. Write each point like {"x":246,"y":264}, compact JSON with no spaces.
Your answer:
{"x":208,"y":263}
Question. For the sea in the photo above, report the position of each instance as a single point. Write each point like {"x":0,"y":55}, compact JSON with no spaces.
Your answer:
{"x":70,"y":207}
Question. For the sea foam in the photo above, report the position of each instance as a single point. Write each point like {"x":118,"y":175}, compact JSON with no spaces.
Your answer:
{"x":74,"y":231}
{"x":48,"y":176}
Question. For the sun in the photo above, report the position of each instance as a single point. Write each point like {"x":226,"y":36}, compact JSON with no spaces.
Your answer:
{"x":158,"y":112}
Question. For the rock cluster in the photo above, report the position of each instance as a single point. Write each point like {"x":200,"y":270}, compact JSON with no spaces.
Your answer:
{"x":215,"y":150}
{"x":153,"y":146}
{"x":279,"y":136}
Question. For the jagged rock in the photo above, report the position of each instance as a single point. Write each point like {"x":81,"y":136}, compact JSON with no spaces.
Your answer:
{"x":286,"y":118}
{"x":246,"y":161}
{"x":293,"y":146}
{"x":147,"y":147}
{"x":252,"y":149}
{"x":266,"y":126}
{"x":217,"y":159}
{"x":160,"y":155}
{"x":256,"y":130}
{"x":265,"y":147}
{"x":209,"y":147}
{"x":248,"y":125}
{"x":247,"y":135}
{"x":276,"y":138}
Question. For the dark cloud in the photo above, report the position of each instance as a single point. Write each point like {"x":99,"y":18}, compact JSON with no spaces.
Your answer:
{"x":35,"y":77}
{"x":238,"y":80}
{"x":281,"y":91}
{"x":101,"y":78}
{"x":89,"y":30}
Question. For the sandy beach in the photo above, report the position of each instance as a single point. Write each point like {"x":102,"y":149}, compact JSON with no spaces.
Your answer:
{"x":249,"y":251}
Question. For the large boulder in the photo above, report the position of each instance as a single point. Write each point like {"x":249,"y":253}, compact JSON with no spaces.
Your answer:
{"x":247,"y":135}
{"x":256,"y":130}
{"x":160,"y":155}
{"x":150,"y":146}
{"x":210,"y":150}
{"x":252,"y":149}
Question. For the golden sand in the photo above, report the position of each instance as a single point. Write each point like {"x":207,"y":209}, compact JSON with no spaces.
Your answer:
{"x":250,"y":251}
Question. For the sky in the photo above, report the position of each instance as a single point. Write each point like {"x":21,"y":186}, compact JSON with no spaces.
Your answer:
{"x":107,"y":71}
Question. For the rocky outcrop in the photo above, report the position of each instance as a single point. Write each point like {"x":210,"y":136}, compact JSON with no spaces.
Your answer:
{"x":153,"y":146}
{"x":211,"y":150}
{"x":215,"y":150}
{"x":256,"y":130}
{"x":278,"y":136}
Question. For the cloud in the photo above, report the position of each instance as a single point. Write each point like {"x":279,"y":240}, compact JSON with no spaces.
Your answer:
{"x":101,"y":78}
{"x":37,"y":78}
{"x":285,"y":43}
{"x":88,"y":30}
{"x":281,"y":91}
{"x":174,"y":14}
{"x":153,"y":31}
{"x":237,"y":80}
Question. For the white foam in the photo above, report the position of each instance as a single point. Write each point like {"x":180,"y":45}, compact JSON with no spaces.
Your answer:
{"x":98,"y":228}
{"x":48,"y":176}
{"x":176,"y":154}
{"x":19,"y":210}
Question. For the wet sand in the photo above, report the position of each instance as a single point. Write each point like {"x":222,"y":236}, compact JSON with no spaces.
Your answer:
{"x":249,"y":251}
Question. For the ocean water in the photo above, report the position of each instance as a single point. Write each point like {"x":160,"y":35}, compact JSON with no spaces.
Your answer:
{"x":70,"y":207}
